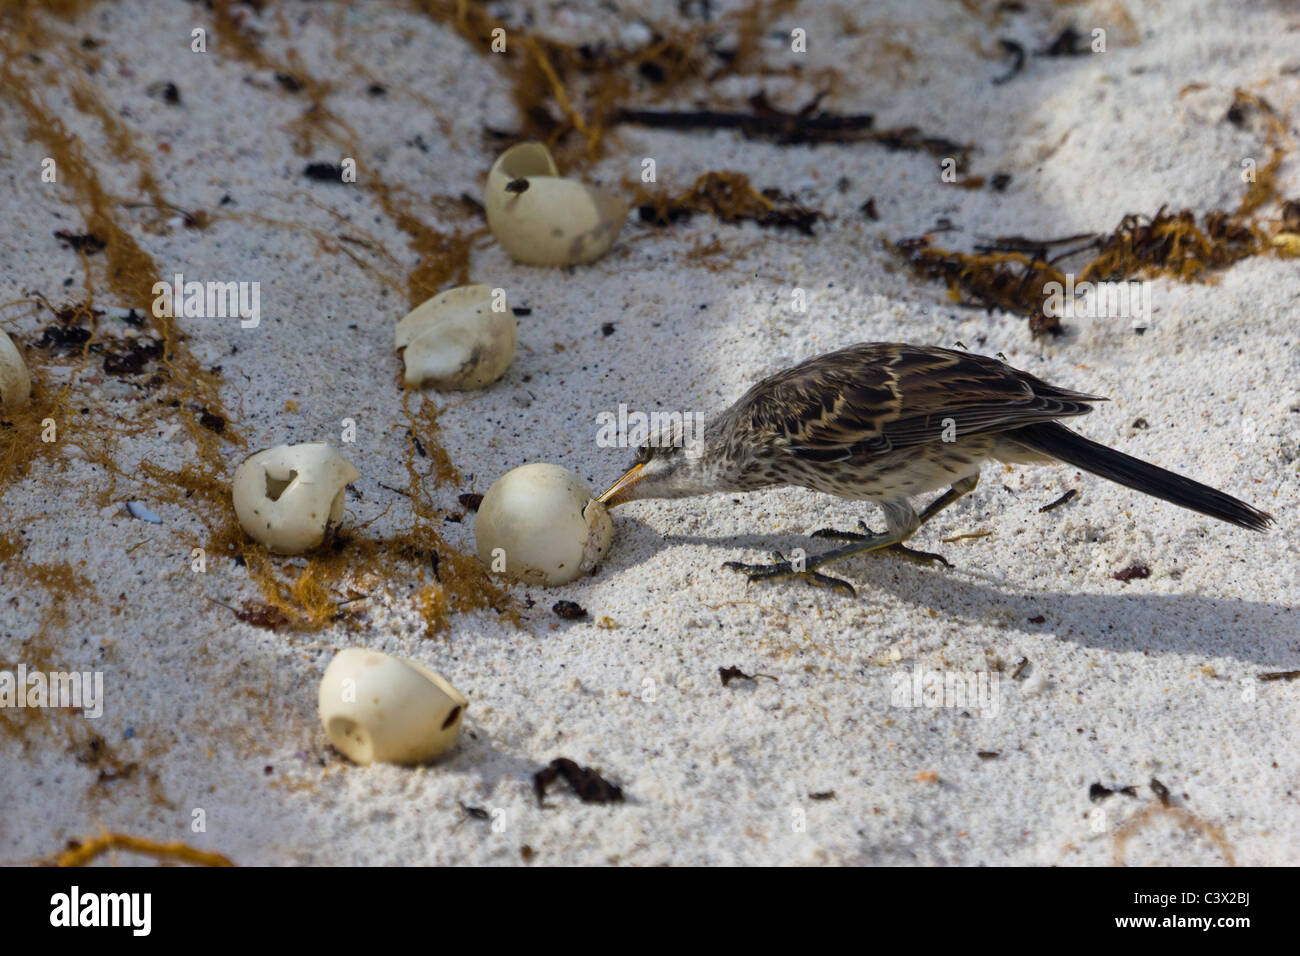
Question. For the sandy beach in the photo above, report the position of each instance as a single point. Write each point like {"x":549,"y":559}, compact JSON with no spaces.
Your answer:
{"x":1129,"y":659}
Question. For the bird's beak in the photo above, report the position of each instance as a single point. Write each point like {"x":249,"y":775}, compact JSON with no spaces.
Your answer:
{"x":612,"y":496}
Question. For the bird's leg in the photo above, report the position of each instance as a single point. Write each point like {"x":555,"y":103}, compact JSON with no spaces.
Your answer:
{"x":959,"y":489}
{"x":902,"y":521}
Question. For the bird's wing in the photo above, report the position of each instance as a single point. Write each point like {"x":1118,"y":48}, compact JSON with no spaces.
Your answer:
{"x":868,"y":400}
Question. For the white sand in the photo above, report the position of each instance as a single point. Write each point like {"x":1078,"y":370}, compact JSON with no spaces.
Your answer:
{"x":1153,"y":678}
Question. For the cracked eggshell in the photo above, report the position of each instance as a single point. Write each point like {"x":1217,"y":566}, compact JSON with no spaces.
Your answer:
{"x":15,"y":380}
{"x":544,"y":521}
{"x":552,"y":221}
{"x":456,"y":340}
{"x":288,"y":497}
{"x":380,"y":708}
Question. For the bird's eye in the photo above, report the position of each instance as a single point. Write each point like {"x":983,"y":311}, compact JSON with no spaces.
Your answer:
{"x":642,"y":455}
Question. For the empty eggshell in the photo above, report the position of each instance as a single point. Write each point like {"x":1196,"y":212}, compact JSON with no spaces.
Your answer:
{"x":457,"y":340}
{"x":544,"y":220}
{"x":539,"y":524}
{"x":288,"y":497}
{"x":380,"y":708}
{"x":15,"y":381}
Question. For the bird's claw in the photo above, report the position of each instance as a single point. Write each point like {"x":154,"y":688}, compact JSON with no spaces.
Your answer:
{"x":784,"y":569}
{"x":920,"y":557}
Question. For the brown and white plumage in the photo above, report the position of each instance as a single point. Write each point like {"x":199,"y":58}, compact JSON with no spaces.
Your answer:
{"x":883,"y":422}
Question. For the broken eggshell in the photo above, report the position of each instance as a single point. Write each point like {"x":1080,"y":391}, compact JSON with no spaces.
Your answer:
{"x":380,"y":708}
{"x":15,"y":380}
{"x":288,"y":497}
{"x":457,"y":340}
{"x":539,"y":524}
{"x":544,"y":220}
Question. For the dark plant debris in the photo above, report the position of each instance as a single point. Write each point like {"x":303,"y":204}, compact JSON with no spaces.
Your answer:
{"x":569,"y":610}
{"x":1279,"y":675}
{"x":808,"y":125}
{"x":1161,"y":792}
{"x":323,"y":172}
{"x":1020,"y":668}
{"x":1098,"y":793}
{"x":988,"y":754}
{"x":589,"y":785}
{"x":476,"y":813}
{"x":1069,"y":42}
{"x":1064,"y":499}
{"x":86,"y":242}
{"x":728,"y":674}
{"x":1133,"y":571}
{"x":1016,"y":53}
{"x":822,"y":795}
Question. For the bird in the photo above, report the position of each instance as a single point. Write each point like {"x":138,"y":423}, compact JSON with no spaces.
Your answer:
{"x":883,"y":422}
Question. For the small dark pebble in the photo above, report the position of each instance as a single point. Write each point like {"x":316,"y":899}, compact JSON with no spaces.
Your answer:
{"x":377,"y":89}
{"x":988,"y":754}
{"x":823,"y":795}
{"x":1140,"y":423}
{"x":569,"y":610}
{"x":517,"y":186}
{"x":521,"y":310}
{"x":289,"y":82}
{"x":1131,"y":572}
{"x":1098,"y":793}
{"x":999,"y":182}
{"x":166,"y":91}
{"x":868,"y":209}
{"x":607,"y":329}
{"x":470,"y":500}
{"x":214,"y":423}
{"x":1037,"y":619}
{"x":478,"y":813}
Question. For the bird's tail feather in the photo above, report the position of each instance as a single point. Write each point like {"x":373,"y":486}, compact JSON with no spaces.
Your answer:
{"x":1061,"y":443}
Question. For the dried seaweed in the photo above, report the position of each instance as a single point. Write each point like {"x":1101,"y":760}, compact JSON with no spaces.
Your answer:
{"x":731,"y":198}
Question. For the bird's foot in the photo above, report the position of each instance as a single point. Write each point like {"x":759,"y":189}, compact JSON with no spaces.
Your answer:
{"x":920,"y":557}
{"x":783,"y":568}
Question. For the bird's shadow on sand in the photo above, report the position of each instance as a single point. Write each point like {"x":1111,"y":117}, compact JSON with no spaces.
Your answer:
{"x":1260,"y":632}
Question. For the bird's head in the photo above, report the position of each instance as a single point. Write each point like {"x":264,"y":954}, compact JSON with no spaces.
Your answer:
{"x":665,"y":469}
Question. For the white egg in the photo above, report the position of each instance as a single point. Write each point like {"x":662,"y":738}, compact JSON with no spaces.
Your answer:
{"x":539,"y":524}
{"x":290,"y":496}
{"x":544,"y":220}
{"x":462,"y":338}
{"x":380,"y":708}
{"x":15,"y":380}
